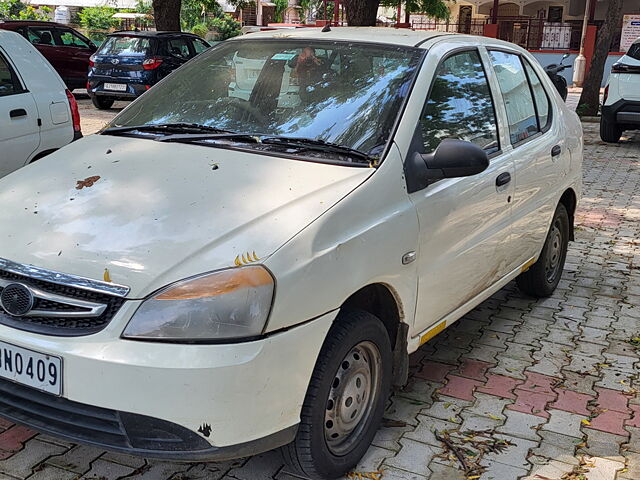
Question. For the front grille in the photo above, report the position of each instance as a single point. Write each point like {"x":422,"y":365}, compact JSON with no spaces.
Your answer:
{"x":79,"y":422}
{"x":60,"y":326}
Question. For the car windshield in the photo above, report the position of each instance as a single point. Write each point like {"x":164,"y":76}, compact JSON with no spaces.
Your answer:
{"x":634,"y":51}
{"x":123,"y":45}
{"x":347,"y":94}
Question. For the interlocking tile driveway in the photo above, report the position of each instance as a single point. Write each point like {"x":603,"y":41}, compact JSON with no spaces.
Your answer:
{"x":550,"y":385}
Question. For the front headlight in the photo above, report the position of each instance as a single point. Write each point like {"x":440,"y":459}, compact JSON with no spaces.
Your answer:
{"x":228,"y":304}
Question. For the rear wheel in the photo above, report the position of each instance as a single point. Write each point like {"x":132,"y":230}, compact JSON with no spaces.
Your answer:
{"x":103,"y":103}
{"x":345,"y":400}
{"x":543,"y":277}
{"x":609,"y":132}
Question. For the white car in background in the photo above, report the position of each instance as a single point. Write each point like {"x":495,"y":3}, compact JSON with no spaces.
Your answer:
{"x":214,"y":276}
{"x":38,"y":115}
{"x":621,"y":104}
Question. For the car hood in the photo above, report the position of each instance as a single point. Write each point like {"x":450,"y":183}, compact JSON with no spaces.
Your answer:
{"x":144,"y":214}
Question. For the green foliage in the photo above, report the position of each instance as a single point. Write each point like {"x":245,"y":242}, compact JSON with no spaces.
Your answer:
{"x":200,"y":29}
{"x":97,"y":18}
{"x":16,"y":10}
{"x":194,"y":12}
{"x":31,"y":13}
{"x":281,"y":6}
{"x":432,"y":8}
{"x":226,"y":26}
{"x":10,"y":8}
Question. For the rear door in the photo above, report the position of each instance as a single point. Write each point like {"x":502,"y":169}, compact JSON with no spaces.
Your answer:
{"x":538,"y":141}
{"x":77,"y":51}
{"x":19,"y":130}
{"x":43,"y":38}
{"x":464,"y":222}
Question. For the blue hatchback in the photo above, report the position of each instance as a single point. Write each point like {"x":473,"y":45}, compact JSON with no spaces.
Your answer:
{"x":128,"y":64}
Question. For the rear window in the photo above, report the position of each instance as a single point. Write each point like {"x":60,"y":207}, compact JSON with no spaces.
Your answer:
{"x":122,"y":45}
{"x":634,"y":51}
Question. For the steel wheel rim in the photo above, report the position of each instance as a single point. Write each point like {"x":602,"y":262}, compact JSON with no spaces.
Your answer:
{"x":352,"y":397}
{"x":554,"y":253}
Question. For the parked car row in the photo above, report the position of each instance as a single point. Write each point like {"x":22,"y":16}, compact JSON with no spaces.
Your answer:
{"x":125,"y":66}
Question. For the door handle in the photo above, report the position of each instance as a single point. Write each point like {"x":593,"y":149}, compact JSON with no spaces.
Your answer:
{"x":555,"y":151}
{"x":18,"y":112}
{"x":503,"y":179}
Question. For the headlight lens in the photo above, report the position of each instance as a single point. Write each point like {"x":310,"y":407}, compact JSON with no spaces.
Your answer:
{"x":232,"y":303}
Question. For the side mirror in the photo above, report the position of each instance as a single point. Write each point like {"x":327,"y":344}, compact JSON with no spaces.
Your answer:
{"x":452,"y":159}
{"x":566,"y":55}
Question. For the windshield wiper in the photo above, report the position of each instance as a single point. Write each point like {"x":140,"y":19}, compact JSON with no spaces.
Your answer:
{"x":178,"y":127}
{"x":317,"y":145}
{"x":275,"y":140}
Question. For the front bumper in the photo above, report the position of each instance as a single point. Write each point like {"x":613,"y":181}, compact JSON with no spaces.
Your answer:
{"x":175,"y":402}
{"x":625,"y":113}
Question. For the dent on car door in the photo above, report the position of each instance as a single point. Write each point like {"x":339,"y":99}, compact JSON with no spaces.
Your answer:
{"x":19,"y":131}
{"x":538,"y":151}
{"x":465,"y":221}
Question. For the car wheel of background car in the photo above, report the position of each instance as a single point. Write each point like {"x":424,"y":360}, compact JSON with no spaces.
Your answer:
{"x":346,"y":398}
{"x":543,"y":276}
{"x":103,"y":103}
{"x":609,"y":132}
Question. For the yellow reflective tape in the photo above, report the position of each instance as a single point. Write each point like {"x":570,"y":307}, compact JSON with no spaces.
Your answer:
{"x":528,"y":265}
{"x":432,"y":333}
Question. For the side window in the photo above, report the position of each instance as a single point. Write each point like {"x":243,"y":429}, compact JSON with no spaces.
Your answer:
{"x":543,"y":104}
{"x":460,"y":105}
{"x":516,"y":93}
{"x":178,"y":47}
{"x":70,"y":39}
{"x":199,"y":46}
{"x":41,"y":36}
{"x":9,"y":84}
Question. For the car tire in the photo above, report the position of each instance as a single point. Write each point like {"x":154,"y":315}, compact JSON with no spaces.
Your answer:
{"x":345,"y":400}
{"x":542,"y":278}
{"x":609,"y":132}
{"x":102,"y":103}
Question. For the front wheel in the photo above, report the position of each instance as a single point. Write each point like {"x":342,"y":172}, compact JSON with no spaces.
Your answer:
{"x":102,"y":103}
{"x":346,"y":398}
{"x":543,"y":277}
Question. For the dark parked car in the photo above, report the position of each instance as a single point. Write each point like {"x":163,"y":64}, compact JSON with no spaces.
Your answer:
{"x":66,"y":49}
{"x":127,"y":64}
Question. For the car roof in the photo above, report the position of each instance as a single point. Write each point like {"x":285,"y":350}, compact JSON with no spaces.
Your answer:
{"x":380,"y":35}
{"x":150,"y":33}
{"x":33,"y":23}
{"x":391,"y":36}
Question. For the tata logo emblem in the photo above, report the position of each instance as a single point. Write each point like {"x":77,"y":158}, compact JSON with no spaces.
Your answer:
{"x":16,"y":299}
{"x":115,"y":61}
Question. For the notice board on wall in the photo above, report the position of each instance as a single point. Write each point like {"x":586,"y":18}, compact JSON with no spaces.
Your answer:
{"x":630,"y":31}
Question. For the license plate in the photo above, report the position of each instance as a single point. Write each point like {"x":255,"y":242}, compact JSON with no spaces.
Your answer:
{"x":118,"y":87}
{"x":34,"y":369}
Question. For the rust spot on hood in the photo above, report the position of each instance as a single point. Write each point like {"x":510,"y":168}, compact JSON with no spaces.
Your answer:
{"x":87,"y":182}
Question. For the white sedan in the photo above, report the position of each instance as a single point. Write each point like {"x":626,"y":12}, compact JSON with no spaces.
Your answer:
{"x":245,"y":257}
{"x":38,"y":115}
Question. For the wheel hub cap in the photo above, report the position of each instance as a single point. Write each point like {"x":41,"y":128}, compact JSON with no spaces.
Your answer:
{"x":352,"y":397}
{"x":552,"y":262}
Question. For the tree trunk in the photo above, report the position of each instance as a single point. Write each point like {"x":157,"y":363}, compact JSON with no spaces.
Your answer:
{"x":361,"y":12}
{"x":167,"y":15}
{"x":590,"y":98}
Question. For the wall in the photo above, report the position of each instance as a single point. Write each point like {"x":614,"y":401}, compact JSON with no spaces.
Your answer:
{"x":548,"y":58}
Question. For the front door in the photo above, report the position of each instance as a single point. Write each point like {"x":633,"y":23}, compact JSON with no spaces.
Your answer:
{"x":19,"y":130}
{"x":465,"y":221}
